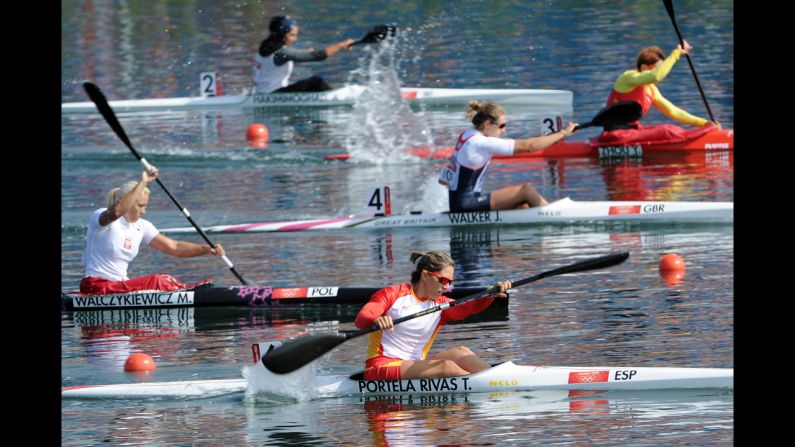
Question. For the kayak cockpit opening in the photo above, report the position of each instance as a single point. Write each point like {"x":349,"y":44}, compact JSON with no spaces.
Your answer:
{"x":360,"y":375}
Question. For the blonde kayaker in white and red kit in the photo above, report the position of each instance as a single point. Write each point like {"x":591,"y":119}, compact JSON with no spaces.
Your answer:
{"x":472,"y":155}
{"x":114,"y":235}
{"x":401,"y":351}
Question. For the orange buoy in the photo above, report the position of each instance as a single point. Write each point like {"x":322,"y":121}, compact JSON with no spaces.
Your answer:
{"x":672,"y":262}
{"x":257,"y":132}
{"x":337,"y":156}
{"x":139,"y":362}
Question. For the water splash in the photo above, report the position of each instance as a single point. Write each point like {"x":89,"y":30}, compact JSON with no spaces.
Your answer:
{"x":266,"y":386}
{"x":382,"y":123}
{"x":434,"y":197}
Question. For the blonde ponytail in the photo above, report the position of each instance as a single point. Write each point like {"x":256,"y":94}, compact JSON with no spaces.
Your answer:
{"x":483,"y":111}
{"x":115,"y":195}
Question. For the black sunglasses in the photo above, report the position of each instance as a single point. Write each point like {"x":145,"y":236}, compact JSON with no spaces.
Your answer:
{"x":501,"y":126}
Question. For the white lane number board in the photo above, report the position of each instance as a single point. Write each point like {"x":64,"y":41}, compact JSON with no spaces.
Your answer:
{"x":208,"y":84}
{"x":551,"y":124}
{"x":378,"y":201}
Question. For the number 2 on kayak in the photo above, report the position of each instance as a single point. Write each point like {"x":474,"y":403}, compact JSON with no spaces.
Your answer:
{"x":208,"y":84}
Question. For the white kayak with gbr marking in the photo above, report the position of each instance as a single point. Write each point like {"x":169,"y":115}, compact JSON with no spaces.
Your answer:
{"x":506,"y":376}
{"x":542,"y":98}
{"x":563,"y":211}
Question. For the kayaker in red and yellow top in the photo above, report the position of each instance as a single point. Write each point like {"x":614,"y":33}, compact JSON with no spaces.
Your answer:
{"x":401,"y":352}
{"x":640,"y":85}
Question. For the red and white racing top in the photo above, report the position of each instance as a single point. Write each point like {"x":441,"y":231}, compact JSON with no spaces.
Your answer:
{"x":412,"y":339}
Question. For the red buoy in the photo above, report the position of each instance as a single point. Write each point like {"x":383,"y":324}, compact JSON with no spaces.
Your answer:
{"x":257,"y":132}
{"x":672,"y":262}
{"x":139,"y":362}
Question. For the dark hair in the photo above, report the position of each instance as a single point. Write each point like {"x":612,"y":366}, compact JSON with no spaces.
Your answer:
{"x":270,"y":45}
{"x":280,"y":25}
{"x":432,"y":261}
{"x":483,"y":111}
{"x":649,"y":56}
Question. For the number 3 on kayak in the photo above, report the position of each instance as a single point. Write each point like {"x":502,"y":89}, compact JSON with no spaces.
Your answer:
{"x":379,"y":202}
{"x":551,"y":125}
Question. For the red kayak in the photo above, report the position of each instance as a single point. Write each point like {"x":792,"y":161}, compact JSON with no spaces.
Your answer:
{"x":699,"y":140}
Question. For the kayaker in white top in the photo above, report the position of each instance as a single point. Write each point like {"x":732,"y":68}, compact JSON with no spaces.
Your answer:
{"x":114,"y":235}
{"x":472,"y":155}
{"x":274,"y":61}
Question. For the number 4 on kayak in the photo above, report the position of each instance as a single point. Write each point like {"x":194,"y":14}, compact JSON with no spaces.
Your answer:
{"x":379,"y":202}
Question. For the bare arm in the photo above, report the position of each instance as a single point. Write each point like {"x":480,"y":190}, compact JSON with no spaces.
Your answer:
{"x":121,"y":207}
{"x":538,"y":143}
{"x":183,"y":249}
{"x":331,"y":50}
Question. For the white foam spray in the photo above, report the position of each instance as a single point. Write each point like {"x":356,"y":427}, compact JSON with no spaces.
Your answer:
{"x":434,"y":197}
{"x":382,"y":123}
{"x":267,"y":386}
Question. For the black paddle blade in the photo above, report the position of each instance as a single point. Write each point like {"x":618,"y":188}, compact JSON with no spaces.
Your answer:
{"x":591,"y":264}
{"x":621,"y":112}
{"x":588,"y":264}
{"x":96,"y":96}
{"x":669,"y":8}
{"x":377,"y":34}
{"x":299,"y":352}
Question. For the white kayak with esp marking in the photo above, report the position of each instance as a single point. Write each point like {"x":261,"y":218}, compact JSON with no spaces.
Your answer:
{"x":509,"y":376}
{"x":506,"y":376}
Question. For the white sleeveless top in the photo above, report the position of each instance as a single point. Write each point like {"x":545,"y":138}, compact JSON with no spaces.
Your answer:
{"x":269,"y":76}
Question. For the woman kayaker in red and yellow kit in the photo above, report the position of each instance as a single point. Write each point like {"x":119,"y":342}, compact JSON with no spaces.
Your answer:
{"x":640,"y":85}
{"x":401,"y":351}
